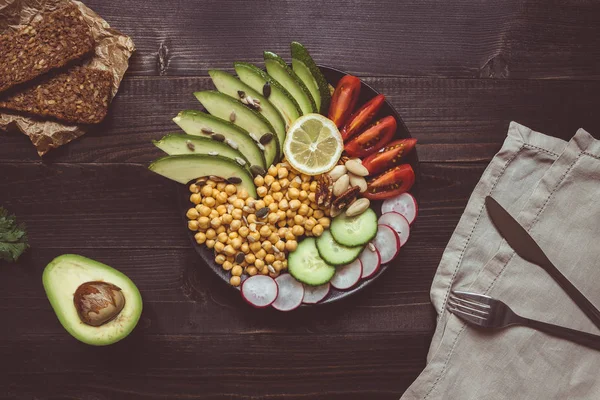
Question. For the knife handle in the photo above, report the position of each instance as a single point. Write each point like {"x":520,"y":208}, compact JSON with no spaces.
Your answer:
{"x":583,"y":338}
{"x":582,"y":302}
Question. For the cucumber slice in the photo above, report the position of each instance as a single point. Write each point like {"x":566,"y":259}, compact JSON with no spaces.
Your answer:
{"x":222,"y":106}
{"x":334,"y":253}
{"x":256,"y":78}
{"x":231,"y":86}
{"x":184,"y":168}
{"x":193,"y":122}
{"x":307,"y":266}
{"x":175,"y":144}
{"x":354,"y":231}
{"x":282,"y":73}
{"x":306,"y":68}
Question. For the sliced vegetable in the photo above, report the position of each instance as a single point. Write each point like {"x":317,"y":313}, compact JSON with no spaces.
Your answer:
{"x":303,"y":64}
{"x":344,"y":99}
{"x":398,"y":223}
{"x":347,"y":276}
{"x":291,"y":293}
{"x":260,"y":291}
{"x":334,"y":253}
{"x":374,"y":138}
{"x":405,"y":204}
{"x":387,"y":243}
{"x":307,"y":266}
{"x":362,"y":117}
{"x":314,"y":294}
{"x":389,"y":156}
{"x":371,"y":261}
{"x":391,"y":183}
{"x":354,"y":231}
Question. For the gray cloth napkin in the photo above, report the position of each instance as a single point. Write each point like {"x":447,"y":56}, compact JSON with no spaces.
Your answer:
{"x":552,"y":187}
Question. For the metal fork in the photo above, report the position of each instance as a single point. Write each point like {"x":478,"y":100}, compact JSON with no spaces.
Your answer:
{"x":490,"y":313}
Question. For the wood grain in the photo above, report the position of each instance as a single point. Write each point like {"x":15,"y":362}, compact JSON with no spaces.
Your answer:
{"x":455,"y":120}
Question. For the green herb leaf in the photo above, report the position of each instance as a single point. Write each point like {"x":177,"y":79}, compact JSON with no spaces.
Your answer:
{"x":13,"y":237}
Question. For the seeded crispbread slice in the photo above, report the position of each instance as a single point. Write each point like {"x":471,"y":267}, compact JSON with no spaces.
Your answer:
{"x":80,"y":95}
{"x":61,"y":36}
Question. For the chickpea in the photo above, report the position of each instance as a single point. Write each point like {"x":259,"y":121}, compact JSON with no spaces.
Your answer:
{"x":303,"y":195}
{"x":204,"y":211}
{"x":282,"y":223}
{"x":238,"y":203}
{"x":203,"y":222}
{"x":262,"y":191}
{"x":278,"y":196}
{"x":230,"y":190}
{"x":260,"y":255}
{"x":273,"y":207}
{"x":269,"y":258}
{"x":298,"y":220}
{"x":289,"y":235}
{"x":208,"y":202}
{"x":213,"y":214}
{"x":282,"y":172}
{"x":215,"y":222}
{"x":255,"y":247}
{"x":206,"y":191}
{"x":310,"y":224}
{"x":305,"y":186}
{"x":272,"y":218}
{"x":221,"y":185}
{"x":236,"y":243}
{"x":237,"y":214}
{"x":194,"y":188}
{"x":235,"y":281}
{"x":293,"y":193}
{"x":232,"y":235}
{"x":227,"y":219}
{"x":284,"y":183}
{"x":215,"y":192}
{"x":318,"y":230}
{"x":289,"y":222}
{"x":268,"y":199}
{"x":312,"y":197}
{"x":219,"y":247}
{"x":193,"y":225}
{"x":254,"y":237}
{"x":315,"y":208}
{"x":280,"y":245}
{"x":313,"y":186}
{"x":222,"y":237}
{"x":275,"y":187}
{"x":280,"y":256}
{"x":264,"y":271}
{"x":221,"y":229}
{"x":282,"y":231}
{"x":221,"y":209}
{"x":220,"y":259}
{"x":200,"y":237}
{"x":298,"y":230}
{"x":295,"y":204}
{"x":195,"y":198}
{"x":236,"y":270}
{"x":324,"y":222}
{"x":245,"y":248}
{"x":259,"y":181}
{"x":278,"y":265}
{"x":318,"y":213}
{"x":290,"y":214}
{"x":265,"y":231}
{"x":250,"y":258}
{"x":251,"y":218}
{"x":266,"y":245}
{"x":284,"y":262}
{"x":242,"y":194}
{"x":303,"y":210}
{"x":211,"y":234}
{"x":234,"y":224}
{"x":210,"y":243}
{"x":258,"y":204}
{"x":284,"y":205}
{"x":310,"y":211}
{"x":243,"y":231}
{"x":192,"y":213}
{"x":222,"y":198}
{"x":273,"y":237}
{"x":269,"y":180}
{"x":229,"y":250}
{"x":232,"y":198}
{"x":259,"y":264}
{"x":251,"y":271}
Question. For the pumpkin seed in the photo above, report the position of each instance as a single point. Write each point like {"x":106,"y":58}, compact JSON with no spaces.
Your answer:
{"x":232,"y":116}
{"x":260,"y":146}
{"x":257,"y":170}
{"x":216,"y":178}
{"x":218,"y":137}
{"x":232,"y":144}
{"x":266,"y":90}
{"x":266,"y":138}
{"x":253,"y":136}
{"x":262,"y":213}
{"x":271,"y":269}
{"x":240,"y":161}
{"x":234,"y":180}
{"x":190,"y":145}
{"x":240,"y":257}
{"x":372,"y":247}
{"x":208,"y":131}
{"x":241,"y":93}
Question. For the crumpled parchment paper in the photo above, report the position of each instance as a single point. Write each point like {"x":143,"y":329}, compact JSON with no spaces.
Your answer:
{"x":112,"y":52}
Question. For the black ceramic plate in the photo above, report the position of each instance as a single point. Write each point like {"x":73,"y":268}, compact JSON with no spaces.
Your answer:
{"x":366,"y":93}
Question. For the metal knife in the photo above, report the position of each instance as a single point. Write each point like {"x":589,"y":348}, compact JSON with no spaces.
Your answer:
{"x":524,"y":245}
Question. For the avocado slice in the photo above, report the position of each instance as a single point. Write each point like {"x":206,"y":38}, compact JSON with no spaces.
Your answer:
{"x":222,"y":106}
{"x":256,"y":78}
{"x":193,"y":122}
{"x":175,"y":144}
{"x":233,"y":87}
{"x":184,"y":168}
{"x":282,"y":73}
{"x":307,"y":70}
{"x":70,"y":279}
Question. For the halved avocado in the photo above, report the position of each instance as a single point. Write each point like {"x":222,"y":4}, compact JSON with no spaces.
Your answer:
{"x":193,"y":122}
{"x":95,"y":303}
{"x":307,"y":70}
{"x":184,"y":168}
{"x":256,"y":78}
{"x":222,"y":106}
{"x":175,"y":144}
{"x":233,"y":87}
{"x":282,"y":73}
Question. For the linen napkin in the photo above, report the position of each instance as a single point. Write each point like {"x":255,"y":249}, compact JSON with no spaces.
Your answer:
{"x":552,"y":188}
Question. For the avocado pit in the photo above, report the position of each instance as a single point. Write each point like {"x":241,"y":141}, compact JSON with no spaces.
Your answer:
{"x":98,"y":302}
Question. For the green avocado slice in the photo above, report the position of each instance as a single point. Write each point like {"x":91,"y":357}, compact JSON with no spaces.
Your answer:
{"x":306,"y":68}
{"x":61,"y":279}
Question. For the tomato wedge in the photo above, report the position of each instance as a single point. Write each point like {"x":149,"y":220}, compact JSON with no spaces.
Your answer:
{"x":344,"y":99}
{"x":375,"y":137}
{"x":389,"y":156}
{"x":391,"y":183}
{"x":362,"y":117}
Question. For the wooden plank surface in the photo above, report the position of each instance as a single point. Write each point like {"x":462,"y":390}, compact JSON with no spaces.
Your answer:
{"x":458,"y":72}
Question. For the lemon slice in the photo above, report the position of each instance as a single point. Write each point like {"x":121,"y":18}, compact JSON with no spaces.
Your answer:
{"x":313,"y":144}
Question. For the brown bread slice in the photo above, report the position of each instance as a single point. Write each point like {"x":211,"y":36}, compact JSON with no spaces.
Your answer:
{"x":80,"y":95}
{"x":58,"y":38}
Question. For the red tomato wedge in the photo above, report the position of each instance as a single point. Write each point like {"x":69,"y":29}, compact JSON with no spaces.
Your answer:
{"x":389,"y":156}
{"x":374,"y":138}
{"x":362,"y":117}
{"x":391,"y":183}
{"x":344,"y":99}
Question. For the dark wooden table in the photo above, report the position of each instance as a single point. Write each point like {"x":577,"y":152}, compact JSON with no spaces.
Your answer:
{"x":457,"y":71}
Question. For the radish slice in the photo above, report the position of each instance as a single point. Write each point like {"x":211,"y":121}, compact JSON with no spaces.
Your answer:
{"x":404,"y":204}
{"x":314,"y":294}
{"x":387,"y":242}
{"x":347,"y":276}
{"x":259,"y":291}
{"x":291,"y":293}
{"x":398,"y":223}
{"x":371,"y":261}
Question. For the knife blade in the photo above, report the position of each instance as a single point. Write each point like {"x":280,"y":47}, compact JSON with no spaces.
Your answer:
{"x":528,"y":249}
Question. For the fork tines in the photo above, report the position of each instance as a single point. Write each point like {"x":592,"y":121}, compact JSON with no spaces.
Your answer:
{"x":471,"y":307}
